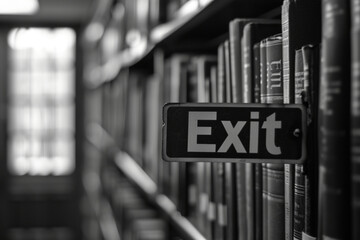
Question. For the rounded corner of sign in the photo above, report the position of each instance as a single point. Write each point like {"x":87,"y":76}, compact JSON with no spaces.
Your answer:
{"x":170,"y":104}
{"x":301,"y":160}
{"x":165,"y":109}
{"x":167,"y":105}
{"x":165,"y":157}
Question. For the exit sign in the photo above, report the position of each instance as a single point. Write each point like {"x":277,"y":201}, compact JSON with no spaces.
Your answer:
{"x":248,"y":133}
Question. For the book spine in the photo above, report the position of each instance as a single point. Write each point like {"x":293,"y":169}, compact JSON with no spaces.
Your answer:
{"x":247,"y":96}
{"x":256,"y":79}
{"x":240,"y":176}
{"x":250,"y":200}
{"x":274,"y":86}
{"x":286,"y":53}
{"x":201,"y":198}
{"x":227,"y":65}
{"x":258,"y":202}
{"x":210,"y":210}
{"x":300,"y":91}
{"x":191,"y":168}
{"x":241,"y":198}
{"x":204,"y":64}
{"x":177,"y":72}
{"x":217,"y":200}
{"x":206,"y":196}
{"x":235,"y":55}
{"x":213,"y":84}
{"x":275,"y":172}
{"x":355,"y":118}
{"x":335,"y":113}
{"x":212,"y":200}
{"x":299,"y":202}
{"x":258,"y":169}
{"x":204,"y":200}
{"x":289,"y":175}
{"x":230,"y":172}
{"x":263,"y":91}
{"x":263,"y":72}
{"x":289,"y":169}
{"x":247,"y":65}
{"x":311,"y":62}
{"x":237,"y":68}
{"x":221,"y":208}
{"x":299,"y":185}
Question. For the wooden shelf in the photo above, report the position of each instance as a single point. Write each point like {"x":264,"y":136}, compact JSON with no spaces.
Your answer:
{"x":100,"y":206}
{"x":134,"y":172}
{"x":98,"y":137}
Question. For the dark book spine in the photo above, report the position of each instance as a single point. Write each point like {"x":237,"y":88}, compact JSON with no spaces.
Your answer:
{"x":275,"y":172}
{"x":230,"y":168}
{"x":204,"y":64}
{"x":228,"y":80}
{"x":263,"y":72}
{"x":221,"y":208}
{"x":177,"y":74}
{"x":221,"y":91}
{"x":300,"y":26}
{"x":335,"y":121}
{"x":299,"y":202}
{"x":236,"y":33}
{"x":258,"y":168}
{"x":206,"y":195}
{"x":299,"y":185}
{"x":235,"y":53}
{"x":256,"y":79}
{"x":249,"y":168}
{"x":263,"y":91}
{"x":258,"y":202}
{"x":191,"y":168}
{"x":206,"y":200}
{"x":239,"y":167}
{"x":355,"y":118}
{"x":253,"y":33}
{"x":213,"y":175}
{"x":218,"y":172}
{"x":310,"y":98}
{"x":289,"y":174}
{"x":241,"y":198}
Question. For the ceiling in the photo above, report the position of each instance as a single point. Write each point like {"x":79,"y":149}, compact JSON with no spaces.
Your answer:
{"x":60,"y":12}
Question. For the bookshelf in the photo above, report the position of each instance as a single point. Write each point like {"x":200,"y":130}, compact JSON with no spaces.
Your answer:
{"x":194,"y":26}
{"x":201,"y":31}
{"x":222,"y":51}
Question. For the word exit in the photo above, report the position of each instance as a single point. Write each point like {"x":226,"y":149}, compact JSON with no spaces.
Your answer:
{"x":249,"y":133}
{"x":232,"y":138}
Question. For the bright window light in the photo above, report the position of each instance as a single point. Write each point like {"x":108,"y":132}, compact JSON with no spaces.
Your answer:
{"x":18,"y":6}
{"x":41,"y":123}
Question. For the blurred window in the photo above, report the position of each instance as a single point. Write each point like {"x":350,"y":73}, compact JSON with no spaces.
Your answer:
{"x":41,"y":92}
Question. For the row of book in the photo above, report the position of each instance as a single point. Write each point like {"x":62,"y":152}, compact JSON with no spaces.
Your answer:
{"x":135,"y":218}
{"x":262,"y":61}
{"x":130,"y":22}
{"x":113,"y":207}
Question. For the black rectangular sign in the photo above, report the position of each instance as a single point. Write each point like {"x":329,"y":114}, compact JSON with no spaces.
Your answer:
{"x":249,"y":133}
